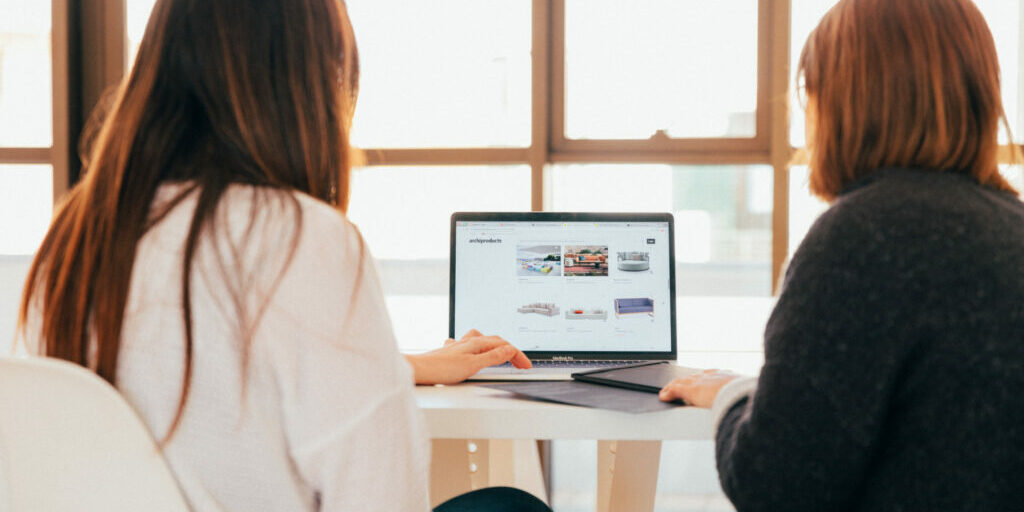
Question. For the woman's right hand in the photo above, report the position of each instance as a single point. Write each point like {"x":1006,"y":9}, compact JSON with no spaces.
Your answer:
{"x":458,"y":360}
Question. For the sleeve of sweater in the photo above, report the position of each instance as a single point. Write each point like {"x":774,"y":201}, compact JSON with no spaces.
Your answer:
{"x":803,"y":440}
{"x":354,"y":431}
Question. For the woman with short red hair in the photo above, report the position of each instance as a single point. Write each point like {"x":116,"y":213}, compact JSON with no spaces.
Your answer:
{"x":894,"y":358}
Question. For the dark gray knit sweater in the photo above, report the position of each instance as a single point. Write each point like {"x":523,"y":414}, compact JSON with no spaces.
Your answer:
{"x":894,"y":359}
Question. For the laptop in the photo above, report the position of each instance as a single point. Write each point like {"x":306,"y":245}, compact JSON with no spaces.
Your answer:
{"x":574,"y":291}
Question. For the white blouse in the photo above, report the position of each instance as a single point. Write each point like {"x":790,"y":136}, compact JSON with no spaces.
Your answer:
{"x":299,"y":398}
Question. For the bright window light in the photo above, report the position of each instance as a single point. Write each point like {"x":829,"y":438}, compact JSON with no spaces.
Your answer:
{"x":687,"y":68}
{"x":26,"y":206}
{"x":26,"y":115}
{"x":449,"y":73}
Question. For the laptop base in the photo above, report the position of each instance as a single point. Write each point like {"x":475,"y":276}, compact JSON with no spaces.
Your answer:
{"x":545,"y":370}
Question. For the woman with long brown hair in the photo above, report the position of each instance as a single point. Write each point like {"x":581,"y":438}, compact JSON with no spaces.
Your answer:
{"x":894,"y":357}
{"x":203,"y":266}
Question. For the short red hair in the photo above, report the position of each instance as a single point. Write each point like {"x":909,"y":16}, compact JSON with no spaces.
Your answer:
{"x":902,"y":83}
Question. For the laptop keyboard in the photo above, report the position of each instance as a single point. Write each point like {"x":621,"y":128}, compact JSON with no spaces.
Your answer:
{"x":572,"y":364}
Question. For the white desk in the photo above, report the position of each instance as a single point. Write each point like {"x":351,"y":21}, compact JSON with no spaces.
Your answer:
{"x":484,"y":437}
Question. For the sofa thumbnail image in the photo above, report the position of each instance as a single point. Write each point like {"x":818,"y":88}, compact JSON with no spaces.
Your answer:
{"x":634,"y":261}
{"x":541,"y":308}
{"x":586,"y":260}
{"x":535,"y":267}
{"x":586,"y":314}
{"x":539,"y":260}
{"x":637,"y":306}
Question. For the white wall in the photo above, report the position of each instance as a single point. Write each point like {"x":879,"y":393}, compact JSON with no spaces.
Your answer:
{"x":13,"y":270}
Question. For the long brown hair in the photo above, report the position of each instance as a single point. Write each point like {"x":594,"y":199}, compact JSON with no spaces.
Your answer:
{"x":222,"y":92}
{"x":902,"y":83}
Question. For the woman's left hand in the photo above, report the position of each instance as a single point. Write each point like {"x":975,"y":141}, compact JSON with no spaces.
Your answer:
{"x":699,"y":389}
{"x":458,"y":360}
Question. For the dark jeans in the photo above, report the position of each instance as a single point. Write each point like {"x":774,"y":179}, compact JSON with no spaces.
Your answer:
{"x":494,"y":499}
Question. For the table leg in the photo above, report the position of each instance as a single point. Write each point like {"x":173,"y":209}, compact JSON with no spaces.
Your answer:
{"x":449,"y":470}
{"x":627,"y":475}
{"x":462,"y":465}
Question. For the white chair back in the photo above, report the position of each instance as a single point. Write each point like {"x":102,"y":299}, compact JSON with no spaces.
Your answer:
{"x":69,"y":442}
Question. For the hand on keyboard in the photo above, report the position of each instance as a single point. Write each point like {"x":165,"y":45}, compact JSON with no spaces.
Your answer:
{"x":458,"y":360}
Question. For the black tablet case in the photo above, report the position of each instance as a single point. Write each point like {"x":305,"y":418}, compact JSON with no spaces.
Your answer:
{"x":649,"y":377}
{"x":573,"y":392}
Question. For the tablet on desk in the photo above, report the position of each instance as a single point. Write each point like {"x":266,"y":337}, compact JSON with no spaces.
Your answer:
{"x":649,"y":377}
{"x":626,"y":389}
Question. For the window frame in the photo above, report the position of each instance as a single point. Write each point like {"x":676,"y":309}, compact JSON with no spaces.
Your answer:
{"x":756,"y":147}
{"x":548,"y":143}
{"x":58,"y":153}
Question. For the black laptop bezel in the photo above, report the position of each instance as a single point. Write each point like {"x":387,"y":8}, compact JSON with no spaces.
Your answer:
{"x":544,"y":355}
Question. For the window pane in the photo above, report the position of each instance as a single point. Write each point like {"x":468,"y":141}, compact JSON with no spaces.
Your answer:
{"x":688,"y":68}
{"x":804,"y":207}
{"x":722,"y":216}
{"x":26,"y":205}
{"x":1014,"y":174}
{"x":404,"y":214}
{"x":723,"y":246}
{"x":806,"y":15}
{"x":451,"y":73}
{"x":136,"y":17}
{"x":421,"y":86}
{"x":1004,"y":18}
{"x":26,"y":86}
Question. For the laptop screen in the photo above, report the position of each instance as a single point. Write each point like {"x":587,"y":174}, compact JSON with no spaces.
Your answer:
{"x":566,"y":283}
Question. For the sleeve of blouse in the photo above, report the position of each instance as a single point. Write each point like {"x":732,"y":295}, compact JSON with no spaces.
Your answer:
{"x":833,"y":348}
{"x":354,"y":431}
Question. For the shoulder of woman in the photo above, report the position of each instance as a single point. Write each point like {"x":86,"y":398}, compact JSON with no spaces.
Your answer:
{"x":283,"y":247}
{"x":281,"y":218}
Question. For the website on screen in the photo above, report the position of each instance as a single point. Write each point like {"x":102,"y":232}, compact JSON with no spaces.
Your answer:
{"x":565,"y":286}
